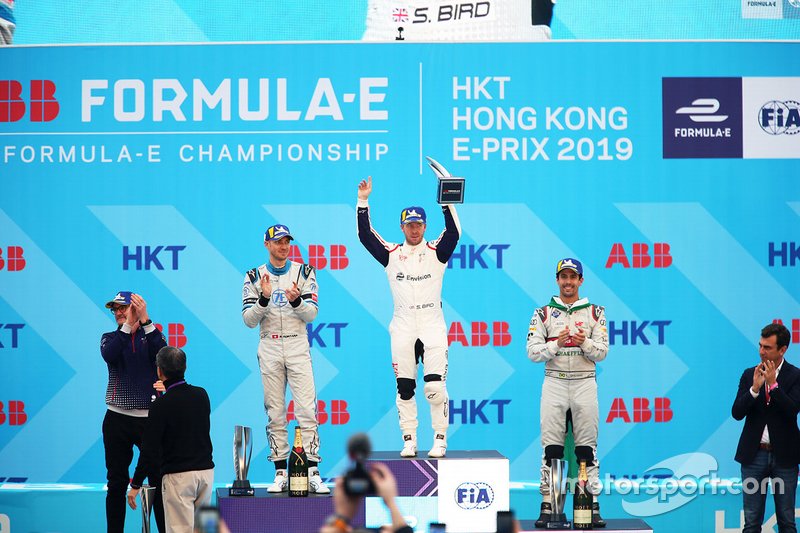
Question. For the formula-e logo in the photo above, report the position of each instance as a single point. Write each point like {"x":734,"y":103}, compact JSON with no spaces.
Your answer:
{"x":778,"y":118}
{"x":702,"y":117}
{"x":476,"y":495}
{"x":703,"y":110}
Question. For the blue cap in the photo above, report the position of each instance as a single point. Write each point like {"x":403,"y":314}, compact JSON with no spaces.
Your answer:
{"x":571,"y":264}
{"x":122,"y":298}
{"x":412,"y":214}
{"x":277,"y":232}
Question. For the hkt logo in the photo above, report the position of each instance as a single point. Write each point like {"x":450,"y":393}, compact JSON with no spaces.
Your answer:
{"x":16,"y":413}
{"x":14,"y":260}
{"x":661,"y":257}
{"x":641,"y":410}
{"x":795,"y":329}
{"x":472,"y":411}
{"x":43,"y":104}
{"x":317,"y":259}
{"x":632,"y":332}
{"x":787,"y":252}
{"x":175,"y":334}
{"x":778,"y":118}
{"x":467,"y":256}
{"x":315,"y":333}
{"x":146,"y":257}
{"x":14,"y":334}
{"x":480,"y":334}
{"x":476,"y":495}
{"x":338,"y":415}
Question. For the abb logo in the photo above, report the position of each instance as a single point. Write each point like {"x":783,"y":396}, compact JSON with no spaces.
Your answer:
{"x":316,"y":256}
{"x":42,"y":100}
{"x":16,"y":415}
{"x":338,"y":414}
{"x":13,"y":261}
{"x":175,"y":334}
{"x":480,"y":335}
{"x":795,"y":329}
{"x":661,"y":257}
{"x":641,"y":410}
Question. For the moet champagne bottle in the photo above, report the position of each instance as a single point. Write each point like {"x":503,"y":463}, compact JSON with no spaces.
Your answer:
{"x":582,"y":501}
{"x":298,"y":467}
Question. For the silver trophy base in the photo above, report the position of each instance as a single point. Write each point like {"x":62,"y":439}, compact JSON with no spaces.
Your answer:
{"x":558,"y":521}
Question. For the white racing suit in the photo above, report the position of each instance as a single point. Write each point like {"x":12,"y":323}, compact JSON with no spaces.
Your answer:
{"x":418,"y":331}
{"x":283,"y":352}
{"x":6,"y":22}
{"x":445,"y":20}
{"x":569,"y":382}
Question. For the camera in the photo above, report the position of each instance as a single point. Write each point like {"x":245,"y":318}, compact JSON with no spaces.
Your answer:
{"x":357,"y":481}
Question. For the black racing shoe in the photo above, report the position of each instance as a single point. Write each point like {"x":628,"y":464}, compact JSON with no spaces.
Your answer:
{"x":597,"y":520}
{"x":544,"y":515}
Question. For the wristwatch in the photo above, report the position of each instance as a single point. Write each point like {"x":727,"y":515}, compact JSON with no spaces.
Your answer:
{"x":145,"y":323}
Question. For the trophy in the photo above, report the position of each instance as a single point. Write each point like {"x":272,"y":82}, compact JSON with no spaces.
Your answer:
{"x":242,"y":453}
{"x":148,"y":494}
{"x":451,"y":189}
{"x":558,"y":493}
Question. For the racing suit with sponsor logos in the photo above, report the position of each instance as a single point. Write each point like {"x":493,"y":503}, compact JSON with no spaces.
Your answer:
{"x":443,"y":20}
{"x":570,"y":380}
{"x":417,"y":329}
{"x":283,"y":352}
{"x":7,"y":24}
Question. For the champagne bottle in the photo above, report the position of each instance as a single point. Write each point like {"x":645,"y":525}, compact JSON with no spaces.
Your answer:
{"x":298,"y":467}
{"x":582,"y":501}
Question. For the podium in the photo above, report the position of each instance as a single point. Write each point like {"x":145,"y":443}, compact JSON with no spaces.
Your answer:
{"x":464,"y":490}
{"x":276,"y":513}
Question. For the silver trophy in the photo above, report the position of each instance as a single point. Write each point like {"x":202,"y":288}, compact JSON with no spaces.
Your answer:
{"x":242,"y":453}
{"x":148,"y":494}
{"x":558,"y":494}
{"x":451,"y":189}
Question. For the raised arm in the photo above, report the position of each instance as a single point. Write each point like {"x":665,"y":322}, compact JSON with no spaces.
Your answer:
{"x":374,"y":243}
{"x":446,"y":243}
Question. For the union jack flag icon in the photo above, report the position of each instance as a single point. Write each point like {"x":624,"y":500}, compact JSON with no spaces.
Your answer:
{"x":400,"y":14}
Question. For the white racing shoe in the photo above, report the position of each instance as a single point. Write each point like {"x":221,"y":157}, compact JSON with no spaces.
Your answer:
{"x":315,"y":483}
{"x":409,"y":446}
{"x":439,"y":447}
{"x":281,"y":483}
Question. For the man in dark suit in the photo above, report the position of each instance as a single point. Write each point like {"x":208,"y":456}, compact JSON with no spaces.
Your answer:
{"x":769,"y":448}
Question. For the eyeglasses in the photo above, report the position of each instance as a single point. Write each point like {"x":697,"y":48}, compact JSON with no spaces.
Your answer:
{"x":116,"y":308}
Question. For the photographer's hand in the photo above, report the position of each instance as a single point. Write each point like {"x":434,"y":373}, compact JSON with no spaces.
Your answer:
{"x":386,"y":487}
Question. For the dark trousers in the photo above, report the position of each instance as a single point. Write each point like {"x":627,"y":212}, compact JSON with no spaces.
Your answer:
{"x":754,"y":474}
{"x":120,"y":434}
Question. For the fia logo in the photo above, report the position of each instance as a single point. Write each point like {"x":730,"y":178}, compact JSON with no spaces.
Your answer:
{"x":476,"y":495}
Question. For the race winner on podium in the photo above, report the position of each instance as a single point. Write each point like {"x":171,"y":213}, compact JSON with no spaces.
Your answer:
{"x":415,"y":270}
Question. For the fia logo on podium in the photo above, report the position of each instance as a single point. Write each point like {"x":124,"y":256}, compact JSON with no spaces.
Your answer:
{"x":476,"y":495}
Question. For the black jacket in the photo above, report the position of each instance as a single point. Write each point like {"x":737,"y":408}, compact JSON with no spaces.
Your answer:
{"x":780,"y":416}
{"x":177,"y":432}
